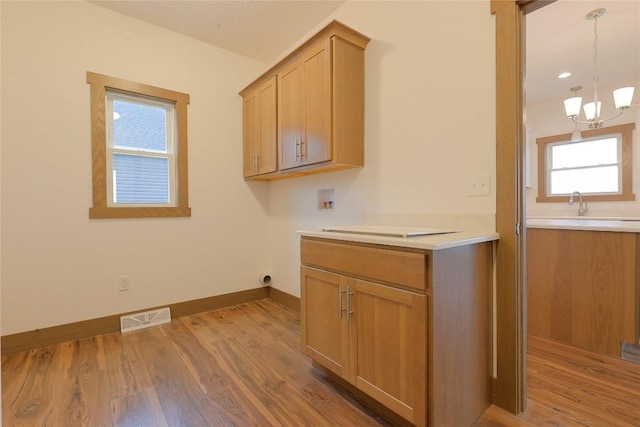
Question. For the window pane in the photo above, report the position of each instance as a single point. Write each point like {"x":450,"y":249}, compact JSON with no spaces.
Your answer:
{"x":139,"y":126}
{"x":587,"y":153}
{"x":140,"y":179}
{"x":591,"y":180}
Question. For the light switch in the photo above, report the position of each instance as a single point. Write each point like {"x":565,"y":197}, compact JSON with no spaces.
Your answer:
{"x":479,"y":185}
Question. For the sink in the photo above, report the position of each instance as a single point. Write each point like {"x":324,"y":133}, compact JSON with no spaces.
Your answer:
{"x":388,"y":230}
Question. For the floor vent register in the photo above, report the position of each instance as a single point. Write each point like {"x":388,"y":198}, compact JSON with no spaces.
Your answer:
{"x":146,"y":319}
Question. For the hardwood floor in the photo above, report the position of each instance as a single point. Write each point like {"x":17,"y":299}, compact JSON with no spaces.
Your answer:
{"x":238,"y":366}
{"x":242,"y":366}
{"x":568,"y":386}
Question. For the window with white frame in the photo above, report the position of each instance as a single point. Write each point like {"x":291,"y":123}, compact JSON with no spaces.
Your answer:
{"x":139,"y":149}
{"x":590,"y":167}
{"x":598,"y":166}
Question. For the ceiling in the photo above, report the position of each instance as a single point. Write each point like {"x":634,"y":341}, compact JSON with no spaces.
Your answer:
{"x":559,"y":37}
{"x":258,"y":29}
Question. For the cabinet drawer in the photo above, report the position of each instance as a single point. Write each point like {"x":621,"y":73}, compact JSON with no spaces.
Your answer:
{"x":385,"y":265}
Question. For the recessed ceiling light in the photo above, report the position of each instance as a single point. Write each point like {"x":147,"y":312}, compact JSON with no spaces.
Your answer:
{"x":564,"y":75}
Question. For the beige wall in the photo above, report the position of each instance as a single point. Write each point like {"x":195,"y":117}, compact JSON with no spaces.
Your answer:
{"x":0,"y":194}
{"x":430,"y":123}
{"x":61,"y":267}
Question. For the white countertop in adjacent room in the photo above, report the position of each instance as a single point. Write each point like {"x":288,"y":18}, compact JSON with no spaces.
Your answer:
{"x":631,"y":225}
{"x":422,"y":237}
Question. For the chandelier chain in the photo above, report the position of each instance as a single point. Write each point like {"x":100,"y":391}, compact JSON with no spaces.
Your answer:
{"x":595,"y":68}
{"x":595,"y":48}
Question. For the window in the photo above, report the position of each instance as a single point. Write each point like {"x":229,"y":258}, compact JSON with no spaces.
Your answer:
{"x":599,"y":166}
{"x":139,"y":150}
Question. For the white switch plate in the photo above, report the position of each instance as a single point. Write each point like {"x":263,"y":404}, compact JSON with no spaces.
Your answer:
{"x":479,"y":185}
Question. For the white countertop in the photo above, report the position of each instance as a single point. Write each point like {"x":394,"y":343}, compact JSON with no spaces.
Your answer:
{"x":586,"y":223}
{"x":429,"y":242}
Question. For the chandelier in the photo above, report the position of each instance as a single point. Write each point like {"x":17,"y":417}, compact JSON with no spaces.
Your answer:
{"x":622,"y":97}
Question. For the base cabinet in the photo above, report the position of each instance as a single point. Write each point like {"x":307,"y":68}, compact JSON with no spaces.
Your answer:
{"x":370,"y":335}
{"x":583,"y":287}
{"x":420,"y":350}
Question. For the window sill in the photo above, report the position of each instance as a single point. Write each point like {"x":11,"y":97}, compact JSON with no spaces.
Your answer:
{"x":102,"y":213}
{"x":589,"y":198}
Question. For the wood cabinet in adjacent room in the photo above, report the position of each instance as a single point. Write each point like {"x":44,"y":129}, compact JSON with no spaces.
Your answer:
{"x":583,"y":287}
{"x":406,"y":327}
{"x":319,"y":118}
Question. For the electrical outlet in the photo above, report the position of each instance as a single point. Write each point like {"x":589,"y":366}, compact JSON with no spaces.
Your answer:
{"x":124,"y":282}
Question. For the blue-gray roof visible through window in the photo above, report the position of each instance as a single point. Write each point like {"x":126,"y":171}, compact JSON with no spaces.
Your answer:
{"x":139,"y":126}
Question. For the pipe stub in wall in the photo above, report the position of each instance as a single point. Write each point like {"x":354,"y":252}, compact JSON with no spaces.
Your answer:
{"x":265,"y":279}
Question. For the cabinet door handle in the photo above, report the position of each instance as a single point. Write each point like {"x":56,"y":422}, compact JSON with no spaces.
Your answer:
{"x":303,"y":150}
{"x":349,"y":312}
{"x":340,"y":309}
{"x":296,"y":147}
{"x":255,"y":162}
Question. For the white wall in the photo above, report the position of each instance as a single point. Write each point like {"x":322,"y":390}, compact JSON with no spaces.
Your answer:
{"x":0,"y":198}
{"x":429,"y":124}
{"x":548,"y":118}
{"x":57,"y":265}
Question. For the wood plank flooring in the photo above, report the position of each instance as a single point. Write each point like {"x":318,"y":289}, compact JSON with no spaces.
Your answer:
{"x":238,"y":366}
{"x":568,"y":386}
{"x":241,"y":366}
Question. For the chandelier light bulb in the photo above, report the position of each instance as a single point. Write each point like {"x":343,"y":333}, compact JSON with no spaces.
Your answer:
{"x":623,"y":97}
{"x":572,"y":106}
{"x":590,"y":110}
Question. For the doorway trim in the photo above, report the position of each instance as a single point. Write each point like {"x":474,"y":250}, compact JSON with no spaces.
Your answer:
{"x":511,"y":299}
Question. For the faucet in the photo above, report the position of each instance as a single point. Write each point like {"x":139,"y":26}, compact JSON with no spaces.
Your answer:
{"x":582,"y":207}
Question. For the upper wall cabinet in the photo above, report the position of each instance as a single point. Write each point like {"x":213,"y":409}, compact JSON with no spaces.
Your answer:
{"x":319,"y":114}
{"x":259,"y":127}
{"x":304,"y":108}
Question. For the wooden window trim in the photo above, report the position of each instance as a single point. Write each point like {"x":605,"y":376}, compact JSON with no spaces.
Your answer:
{"x":626,"y":163}
{"x":99,"y":85}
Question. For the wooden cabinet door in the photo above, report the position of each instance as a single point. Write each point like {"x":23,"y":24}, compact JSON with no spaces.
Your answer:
{"x":259,"y":130}
{"x":317,"y":104}
{"x":324,"y":319}
{"x":290,"y":116}
{"x":304,"y":108}
{"x":267,"y":121}
{"x":388,"y":347}
{"x":250,"y":134}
